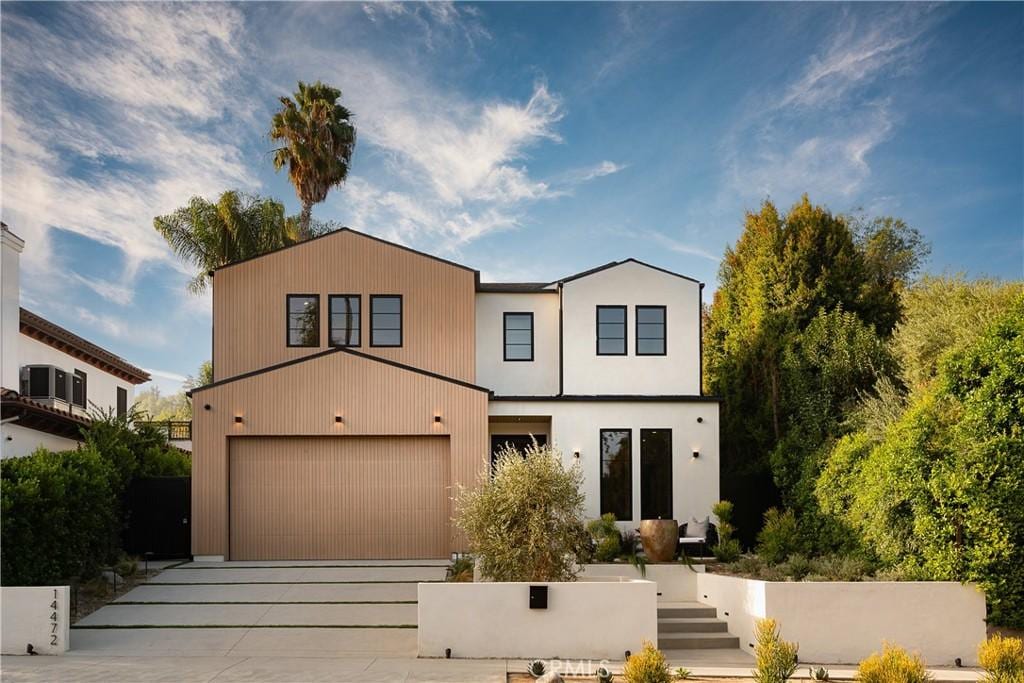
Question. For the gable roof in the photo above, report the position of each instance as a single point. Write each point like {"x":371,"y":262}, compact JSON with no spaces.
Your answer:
{"x":328,"y":352}
{"x":347,"y":230}
{"x":52,"y":334}
{"x":613,"y":264}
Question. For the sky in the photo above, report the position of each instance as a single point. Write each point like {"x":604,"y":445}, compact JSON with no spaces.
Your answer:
{"x":529,"y":141}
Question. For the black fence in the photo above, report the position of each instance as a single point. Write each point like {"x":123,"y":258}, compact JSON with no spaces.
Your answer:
{"x":159,"y":517}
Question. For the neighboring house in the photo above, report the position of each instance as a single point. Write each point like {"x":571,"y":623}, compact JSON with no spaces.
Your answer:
{"x":51,"y":377}
{"x":358,"y":383}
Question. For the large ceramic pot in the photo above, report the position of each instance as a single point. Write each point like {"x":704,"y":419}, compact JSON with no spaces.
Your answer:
{"x":659,"y":538}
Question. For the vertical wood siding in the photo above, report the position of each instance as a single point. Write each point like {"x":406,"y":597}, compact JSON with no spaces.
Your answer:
{"x":375,"y":399}
{"x":438,"y":311}
{"x":339,"y":497}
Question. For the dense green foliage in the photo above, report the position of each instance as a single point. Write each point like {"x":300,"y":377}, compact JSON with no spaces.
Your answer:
{"x":794,"y":334}
{"x":151,"y":404}
{"x":606,"y":538}
{"x":318,"y":140}
{"x":525,"y":523}
{"x":778,"y":538}
{"x":62,"y":512}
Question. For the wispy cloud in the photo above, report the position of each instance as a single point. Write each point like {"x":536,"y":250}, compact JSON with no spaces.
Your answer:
{"x":120,"y":328}
{"x":439,"y":20}
{"x":680,"y":247}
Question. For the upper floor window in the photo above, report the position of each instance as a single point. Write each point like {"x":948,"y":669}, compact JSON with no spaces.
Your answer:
{"x":611,"y":330}
{"x":519,"y":336}
{"x":385,"y":320}
{"x":78,"y":389}
{"x":345,"y":310}
{"x":303,"y":320}
{"x":650,"y":330}
{"x":122,"y":401}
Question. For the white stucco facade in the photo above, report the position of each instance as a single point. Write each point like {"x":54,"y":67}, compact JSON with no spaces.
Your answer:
{"x":17,"y":441}
{"x":575,"y":426}
{"x":538,"y":377}
{"x":10,"y":307}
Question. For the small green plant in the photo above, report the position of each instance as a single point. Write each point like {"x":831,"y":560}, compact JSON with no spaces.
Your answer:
{"x":127,"y":566}
{"x":1002,"y":659}
{"x":778,"y":538}
{"x":607,"y":540}
{"x":796,"y":567}
{"x":819,"y":674}
{"x":728,"y":548}
{"x":892,"y":665}
{"x":461,"y":569}
{"x":775,"y":658}
{"x":647,"y":666}
{"x":841,"y":568}
{"x":604,"y":675}
{"x":682,"y":673}
{"x":638,"y":561}
{"x":536,"y":668}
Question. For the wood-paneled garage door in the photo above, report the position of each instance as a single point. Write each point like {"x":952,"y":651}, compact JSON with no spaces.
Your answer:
{"x":326,"y":498}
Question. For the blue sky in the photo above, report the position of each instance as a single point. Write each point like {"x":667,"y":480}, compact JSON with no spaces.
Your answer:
{"x":527,"y":140}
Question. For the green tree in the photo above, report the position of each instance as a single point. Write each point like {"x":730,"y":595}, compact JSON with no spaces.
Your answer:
{"x":213,"y":234}
{"x":319,"y":139}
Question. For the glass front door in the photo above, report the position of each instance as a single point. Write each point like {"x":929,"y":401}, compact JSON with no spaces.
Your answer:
{"x":656,"y":474}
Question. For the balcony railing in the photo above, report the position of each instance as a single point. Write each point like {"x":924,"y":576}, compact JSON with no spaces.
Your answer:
{"x":175,"y":430}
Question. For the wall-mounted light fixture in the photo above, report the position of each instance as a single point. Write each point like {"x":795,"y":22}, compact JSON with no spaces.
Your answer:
{"x":696,"y":454}
{"x":699,"y":420}
{"x":576,"y":454}
{"x":437,"y":418}
{"x":339,"y":419}
{"x":207,"y":407}
{"x":238,"y":419}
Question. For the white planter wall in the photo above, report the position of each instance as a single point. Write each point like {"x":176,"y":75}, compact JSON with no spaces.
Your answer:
{"x":838,"y":622}
{"x":676,"y":582}
{"x":36,"y":615}
{"x":584,"y":620}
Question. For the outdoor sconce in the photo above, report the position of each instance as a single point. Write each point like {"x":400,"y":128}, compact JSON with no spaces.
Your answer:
{"x":207,"y":407}
{"x":437,"y":418}
{"x":699,"y":420}
{"x":238,"y":419}
{"x":696,"y":454}
{"x":339,"y":419}
{"x":576,"y":454}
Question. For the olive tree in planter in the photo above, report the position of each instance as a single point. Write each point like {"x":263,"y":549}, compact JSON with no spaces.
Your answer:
{"x":525,"y":522}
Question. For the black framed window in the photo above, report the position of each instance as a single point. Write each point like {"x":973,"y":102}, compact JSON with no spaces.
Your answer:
{"x":617,"y":473}
{"x":611,"y":330}
{"x":385,"y":320}
{"x":79,"y":393}
{"x":650,"y":330}
{"x":520,"y":442}
{"x":656,"y":474}
{"x":345,"y":324}
{"x":303,"y":320}
{"x":60,"y":384}
{"x":122,"y":401}
{"x":518,"y":337}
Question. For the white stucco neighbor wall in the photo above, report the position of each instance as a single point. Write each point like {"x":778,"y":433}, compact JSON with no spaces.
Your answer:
{"x":838,"y":622}
{"x":676,"y":582}
{"x":538,"y":377}
{"x":101,"y":387}
{"x":584,"y":619}
{"x":576,"y":425}
{"x":17,"y":441}
{"x":631,"y":284}
{"x":10,"y":308}
{"x":38,"y":615}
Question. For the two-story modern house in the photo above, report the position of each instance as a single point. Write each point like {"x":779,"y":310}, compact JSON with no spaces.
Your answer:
{"x":51,"y":377}
{"x":358,"y":383}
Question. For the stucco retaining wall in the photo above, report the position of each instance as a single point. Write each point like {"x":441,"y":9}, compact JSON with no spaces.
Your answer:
{"x":37,"y":615}
{"x":676,"y":582}
{"x":586,"y":619}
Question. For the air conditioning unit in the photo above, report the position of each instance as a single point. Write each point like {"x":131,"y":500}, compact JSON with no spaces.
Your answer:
{"x":46,"y":384}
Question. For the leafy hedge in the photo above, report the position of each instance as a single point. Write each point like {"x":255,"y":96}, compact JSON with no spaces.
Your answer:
{"x":63,"y":511}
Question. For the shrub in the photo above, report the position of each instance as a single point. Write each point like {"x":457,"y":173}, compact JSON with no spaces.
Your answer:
{"x":525,"y":523}
{"x":606,"y":537}
{"x":775,"y":658}
{"x":60,"y":516}
{"x":841,"y":567}
{"x":893,"y":665}
{"x":796,"y":567}
{"x":728,"y":548}
{"x":647,"y":666}
{"x":778,"y":538}
{"x":1002,"y":659}
{"x":461,"y":570}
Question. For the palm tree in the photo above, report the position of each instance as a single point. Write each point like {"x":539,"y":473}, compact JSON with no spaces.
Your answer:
{"x":318,"y":138}
{"x":236,"y":227}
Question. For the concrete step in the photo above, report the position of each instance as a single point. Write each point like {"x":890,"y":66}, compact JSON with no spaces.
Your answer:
{"x":686,"y":610}
{"x":670,"y":625}
{"x":698,"y":641}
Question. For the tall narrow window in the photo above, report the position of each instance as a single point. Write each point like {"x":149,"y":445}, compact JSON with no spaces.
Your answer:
{"x":385,"y":320}
{"x":650,"y":330}
{"x":611,"y":330}
{"x":656,"y":474}
{"x":345,"y":310}
{"x":518,"y":336}
{"x":60,"y":384}
{"x":303,"y":320}
{"x":617,"y":473}
{"x":78,"y":389}
{"x":122,"y":401}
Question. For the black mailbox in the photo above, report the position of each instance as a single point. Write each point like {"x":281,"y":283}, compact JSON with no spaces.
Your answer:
{"x":538,"y":597}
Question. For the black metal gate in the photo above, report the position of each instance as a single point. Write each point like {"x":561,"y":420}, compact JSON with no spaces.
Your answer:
{"x":159,"y":517}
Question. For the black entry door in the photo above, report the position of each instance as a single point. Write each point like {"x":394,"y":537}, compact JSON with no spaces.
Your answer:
{"x":520,"y":442}
{"x":656,"y":474}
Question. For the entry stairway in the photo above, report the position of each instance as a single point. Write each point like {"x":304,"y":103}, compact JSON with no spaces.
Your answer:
{"x":692,"y":626}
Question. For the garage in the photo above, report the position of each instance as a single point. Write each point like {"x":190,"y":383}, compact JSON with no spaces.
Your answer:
{"x":338,"y":497}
